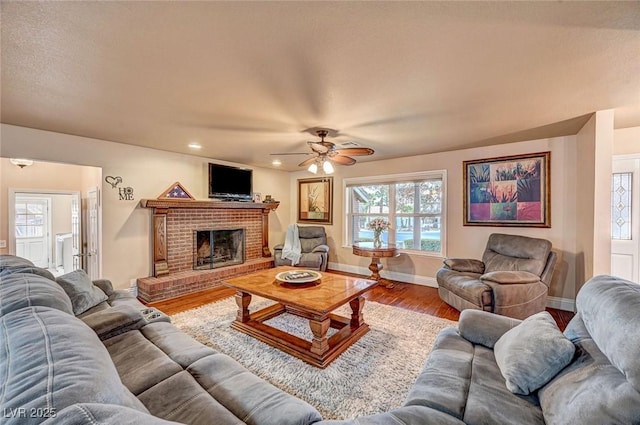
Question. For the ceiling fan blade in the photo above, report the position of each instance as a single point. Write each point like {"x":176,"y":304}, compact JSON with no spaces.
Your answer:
{"x":292,"y":153}
{"x":307,"y":162}
{"x":355,"y":151}
{"x":321,"y":147}
{"x":342,"y":160}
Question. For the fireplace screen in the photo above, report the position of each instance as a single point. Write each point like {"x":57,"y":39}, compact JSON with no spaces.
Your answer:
{"x":218,"y":248}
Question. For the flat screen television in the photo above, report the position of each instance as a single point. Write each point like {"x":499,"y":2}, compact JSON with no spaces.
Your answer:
{"x":230,"y":183}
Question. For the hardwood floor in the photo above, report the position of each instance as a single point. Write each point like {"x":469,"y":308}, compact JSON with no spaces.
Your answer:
{"x":419,"y":298}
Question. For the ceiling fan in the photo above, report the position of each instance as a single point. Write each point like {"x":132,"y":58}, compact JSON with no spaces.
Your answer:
{"x":325,"y":153}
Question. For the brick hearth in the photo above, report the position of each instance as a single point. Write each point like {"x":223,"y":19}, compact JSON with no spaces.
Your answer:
{"x":174,"y":224}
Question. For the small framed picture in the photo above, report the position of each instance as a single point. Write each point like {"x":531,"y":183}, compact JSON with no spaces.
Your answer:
{"x":315,"y":198}
{"x":257,"y":197}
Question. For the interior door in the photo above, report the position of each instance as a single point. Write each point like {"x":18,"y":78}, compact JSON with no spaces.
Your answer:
{"x":76,"y":237}
{"x":32,"y":217}
{"x":625,"y":217}
{"x":93,"y":245}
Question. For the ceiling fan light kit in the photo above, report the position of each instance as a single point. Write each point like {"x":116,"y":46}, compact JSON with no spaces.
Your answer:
{"x":326,"y":154}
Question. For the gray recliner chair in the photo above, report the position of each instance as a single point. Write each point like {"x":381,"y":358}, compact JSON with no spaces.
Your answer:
{"x":315,"y":251}
{"x":512,"y":279}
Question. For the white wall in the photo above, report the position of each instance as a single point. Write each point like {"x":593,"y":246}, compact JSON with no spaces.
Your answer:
{"x":125,"y":226}
{"x":467,"y":241}
{"x":626,"y":141}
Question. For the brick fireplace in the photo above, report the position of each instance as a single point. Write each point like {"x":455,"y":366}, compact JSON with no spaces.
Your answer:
{"x":175,"y":243}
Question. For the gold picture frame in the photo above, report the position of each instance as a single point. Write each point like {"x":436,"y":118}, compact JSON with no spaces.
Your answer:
{"x":508,"y":191}
{"x":315,"y":200}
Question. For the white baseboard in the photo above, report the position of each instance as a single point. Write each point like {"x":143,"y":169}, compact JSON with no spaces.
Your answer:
{"x":561,"y":303}
{"x":553,"y":302}
{"x":400,"y":277}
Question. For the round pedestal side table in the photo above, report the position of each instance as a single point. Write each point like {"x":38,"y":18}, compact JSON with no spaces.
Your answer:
{"x":367,"y":249}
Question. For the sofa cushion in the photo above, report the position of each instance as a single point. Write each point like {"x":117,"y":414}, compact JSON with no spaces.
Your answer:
{"x":179,"y":346}
{"x":532,"y":353}
{"x":590,"y":391}
{"x":251,"y":399}
{"x":7,"y":260}
{"x":82,"y":292}
{"x":490,"y":402}
{"x":21,"y":290}
{"x":139,"y":362}
{"x":50,"y":360}
{"x":462,"y":379}
{"x":484,"y":328}
{"x":114,"y":321}
{"x":610,"y":309}
{"x":180,"y":398}
{"x":103,"y":414}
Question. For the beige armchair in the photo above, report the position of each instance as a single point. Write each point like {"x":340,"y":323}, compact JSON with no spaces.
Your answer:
{"x":512,"y":279}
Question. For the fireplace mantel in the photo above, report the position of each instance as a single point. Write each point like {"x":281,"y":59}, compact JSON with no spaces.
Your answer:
{"x":178,"y":203}
{"x":161,"y":208}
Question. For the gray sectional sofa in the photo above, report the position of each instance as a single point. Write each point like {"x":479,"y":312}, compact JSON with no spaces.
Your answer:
{"x":462,"y":380}
{"x":117,"y":362}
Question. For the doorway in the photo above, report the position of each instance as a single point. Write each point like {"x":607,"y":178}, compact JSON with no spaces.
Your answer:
{"x":44,"y":227}
{"x":625,"y":217}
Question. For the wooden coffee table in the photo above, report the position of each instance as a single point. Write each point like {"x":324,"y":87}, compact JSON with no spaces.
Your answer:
{"x":313,"y":301}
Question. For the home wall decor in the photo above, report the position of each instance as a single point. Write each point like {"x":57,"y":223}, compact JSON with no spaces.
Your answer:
{"x":315,"y":200}
{"x":124,"y":193}
{"x":508,"y":191}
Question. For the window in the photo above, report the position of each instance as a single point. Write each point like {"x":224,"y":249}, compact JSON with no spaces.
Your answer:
{"x":30,"y":218}
{"x":621,"y":206}
{"x":412,"y":203}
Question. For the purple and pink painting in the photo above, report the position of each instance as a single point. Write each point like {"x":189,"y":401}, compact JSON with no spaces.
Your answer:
{"x":508,"y":191}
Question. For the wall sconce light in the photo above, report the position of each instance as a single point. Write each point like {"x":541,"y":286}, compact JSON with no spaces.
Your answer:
{"x":20,"y":162}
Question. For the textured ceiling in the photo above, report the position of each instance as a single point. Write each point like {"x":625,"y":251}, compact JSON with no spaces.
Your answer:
{"x":245,"y":79}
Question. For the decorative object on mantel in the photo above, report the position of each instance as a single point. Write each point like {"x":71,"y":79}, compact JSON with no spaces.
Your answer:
{"x":271,"y":203}
{"x":177,"y":192}
{"x":508,"y":191}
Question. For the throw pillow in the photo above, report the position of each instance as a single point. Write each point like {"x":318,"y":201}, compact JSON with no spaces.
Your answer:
{"x":82,"y":292}
{"x":532,"y":353}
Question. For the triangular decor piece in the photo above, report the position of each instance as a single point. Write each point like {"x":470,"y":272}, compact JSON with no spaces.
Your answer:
{"x":177,"y":192}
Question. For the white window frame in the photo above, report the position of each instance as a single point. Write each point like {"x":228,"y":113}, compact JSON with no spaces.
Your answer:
{"x":392,"y":179}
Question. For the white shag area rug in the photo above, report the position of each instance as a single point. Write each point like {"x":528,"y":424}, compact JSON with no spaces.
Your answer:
{"x":373,"y":375}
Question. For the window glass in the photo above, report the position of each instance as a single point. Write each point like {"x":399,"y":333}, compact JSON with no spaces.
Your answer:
{"x":413,"y":206}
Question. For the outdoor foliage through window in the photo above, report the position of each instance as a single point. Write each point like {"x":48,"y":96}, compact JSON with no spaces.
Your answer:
{"x":414,"y":209}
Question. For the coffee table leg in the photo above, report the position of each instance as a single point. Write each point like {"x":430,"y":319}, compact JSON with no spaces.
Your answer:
{"x":356,"y":316}
{"x":243,"y":299}
{"x":320,"y":343}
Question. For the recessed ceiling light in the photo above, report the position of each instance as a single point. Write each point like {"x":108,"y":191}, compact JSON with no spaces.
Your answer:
{"x":276,"y":162}
{"x":195,"y":145}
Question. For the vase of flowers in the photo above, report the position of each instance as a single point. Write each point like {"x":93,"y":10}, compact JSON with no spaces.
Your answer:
{"x":378,"y":225}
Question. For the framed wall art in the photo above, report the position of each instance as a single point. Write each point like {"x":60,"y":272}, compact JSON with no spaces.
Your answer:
{"x":315,"y":200}
{"x":508,"y":191}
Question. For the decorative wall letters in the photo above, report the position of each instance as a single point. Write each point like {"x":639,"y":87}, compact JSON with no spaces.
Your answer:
{"x":124,"y":193}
